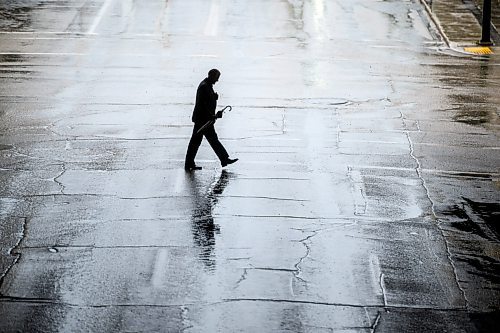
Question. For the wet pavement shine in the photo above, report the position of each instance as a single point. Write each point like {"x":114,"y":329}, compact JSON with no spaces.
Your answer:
{"x":365,"y":198}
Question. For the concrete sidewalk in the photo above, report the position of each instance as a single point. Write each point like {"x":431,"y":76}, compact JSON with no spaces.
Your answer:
{"x":459,"y":20}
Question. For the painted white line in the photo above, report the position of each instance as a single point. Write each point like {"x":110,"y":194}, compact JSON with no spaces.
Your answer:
{"x":159,"y":268}
{"x":213,"y":17}
{"x":99,"y":16}
{"x":203,"y":56}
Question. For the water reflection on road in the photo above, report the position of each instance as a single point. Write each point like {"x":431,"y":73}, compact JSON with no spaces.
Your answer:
{"x":470,"y":94}
{"x":202,"y":221}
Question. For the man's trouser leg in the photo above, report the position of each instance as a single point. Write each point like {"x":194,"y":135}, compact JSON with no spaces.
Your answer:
{"x":194,"y":144}
{"x":214,"y":142}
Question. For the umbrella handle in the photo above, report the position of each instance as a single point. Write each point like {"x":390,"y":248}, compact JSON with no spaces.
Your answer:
{"x":228,"y":106}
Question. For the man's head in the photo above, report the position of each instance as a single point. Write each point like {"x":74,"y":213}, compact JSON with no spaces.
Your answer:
{"x":213,"y":75}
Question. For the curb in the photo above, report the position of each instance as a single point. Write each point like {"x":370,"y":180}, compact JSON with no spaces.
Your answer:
{"x":436,"y":22}
{"x":465,"y":48}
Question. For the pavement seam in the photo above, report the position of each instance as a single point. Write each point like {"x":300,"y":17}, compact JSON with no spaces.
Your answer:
{"x":418,"y":170}
{"x":56,"y":246}
{"x":375,"y":306}
{"x":316,"y":218}
{"x":30,"y":300}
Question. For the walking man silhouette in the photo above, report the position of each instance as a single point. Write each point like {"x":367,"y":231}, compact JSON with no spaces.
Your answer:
{"x":204,"y":111}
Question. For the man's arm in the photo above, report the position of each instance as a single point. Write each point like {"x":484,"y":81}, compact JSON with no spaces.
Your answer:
{"x":208,"y":100}
{"x":204,"y":95}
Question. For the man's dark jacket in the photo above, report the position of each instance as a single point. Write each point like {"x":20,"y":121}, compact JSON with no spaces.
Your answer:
{"x":206,"y":102}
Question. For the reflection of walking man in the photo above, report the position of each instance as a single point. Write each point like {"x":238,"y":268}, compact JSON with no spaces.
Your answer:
{"x":203,"y":225}
{"x":204,"y":111}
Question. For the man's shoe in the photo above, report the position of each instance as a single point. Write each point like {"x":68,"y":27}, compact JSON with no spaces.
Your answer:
{"x":192,"y":167}
{"x":229,"y":161}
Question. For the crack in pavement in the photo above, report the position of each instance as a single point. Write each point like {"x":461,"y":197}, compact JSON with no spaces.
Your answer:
{"x":382,"y":287}
{"x":418,"y":170}
{"x":244,"y":275}
{"x":374,"y":326}
{"x":296,"y":272}
{"x":242,"y":278}
{"x":13,"y":251}
{"x":304,"y":242}
{"x":376,"y":271}
{"x":61,"y":185}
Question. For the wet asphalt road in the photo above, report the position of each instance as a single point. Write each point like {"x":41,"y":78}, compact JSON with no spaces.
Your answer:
{"x":366,"y":196}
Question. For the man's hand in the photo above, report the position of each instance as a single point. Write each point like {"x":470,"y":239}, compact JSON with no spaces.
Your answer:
{"x":218,"y":114}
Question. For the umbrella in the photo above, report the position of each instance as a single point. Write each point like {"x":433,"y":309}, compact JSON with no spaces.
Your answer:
{"x":212,"y":121}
